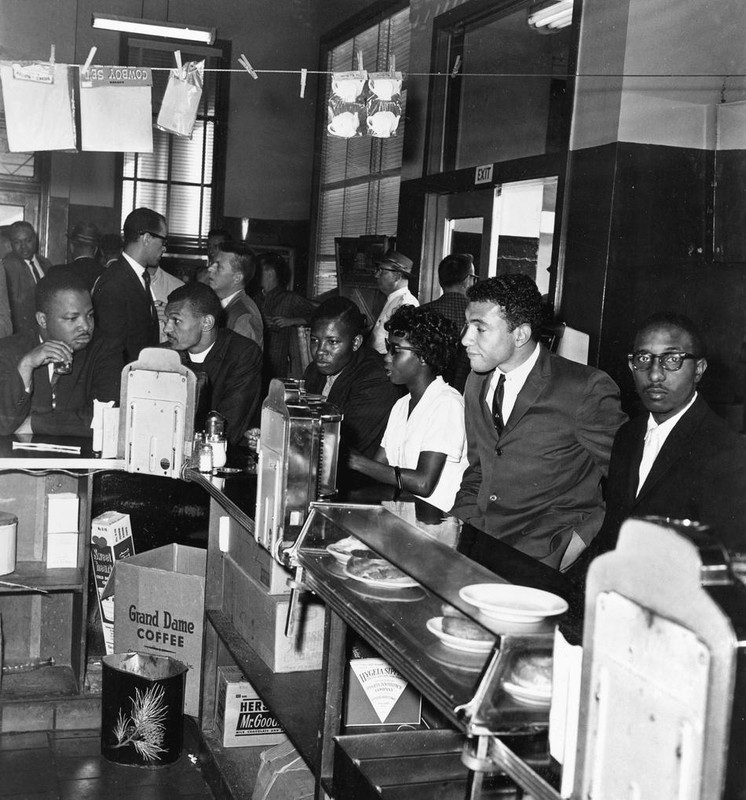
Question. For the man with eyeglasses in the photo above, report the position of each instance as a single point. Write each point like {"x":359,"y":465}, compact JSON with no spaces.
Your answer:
{"x":392,"y":276}
{"x":456,"y":274}
{"x":679,"y":459}
{"x":123,"y":297}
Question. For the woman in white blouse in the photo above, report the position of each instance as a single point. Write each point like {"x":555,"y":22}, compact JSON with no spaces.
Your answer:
{"x":423,"y":450}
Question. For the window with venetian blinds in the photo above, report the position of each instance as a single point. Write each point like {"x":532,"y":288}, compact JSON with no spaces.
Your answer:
{"x":359,"y":178}
{"x":178,"y":179}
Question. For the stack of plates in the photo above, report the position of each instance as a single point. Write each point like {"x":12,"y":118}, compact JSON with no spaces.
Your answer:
{"x":435,"y":626}
{"x":508,"y":603}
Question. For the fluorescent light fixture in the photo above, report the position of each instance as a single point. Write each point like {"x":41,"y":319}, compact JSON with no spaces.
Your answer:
{"x":550,"y":16}
{"x":146,"y":27}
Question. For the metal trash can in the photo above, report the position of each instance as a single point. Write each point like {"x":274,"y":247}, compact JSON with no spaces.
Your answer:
{"x":142,"y":709}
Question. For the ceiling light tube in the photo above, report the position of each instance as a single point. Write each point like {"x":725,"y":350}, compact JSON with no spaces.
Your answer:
{"x":164,"y":30}
{"x":558,"y":12}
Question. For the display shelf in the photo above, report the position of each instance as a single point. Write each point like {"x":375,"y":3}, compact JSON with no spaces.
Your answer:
{"x":36,"y":575}
{"x":297,"y":699}
{"x":47,"y":681}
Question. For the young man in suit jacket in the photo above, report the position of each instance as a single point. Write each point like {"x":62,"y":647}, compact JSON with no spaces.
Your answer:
{"x":24,"y":268}
{"x":678,"y":459}
{"x":34,"y":397}
{"x":230,"y":364}
{"x":82,"y":248}
{"x":350,"y":375}
{"x":539,"y":438}
{"x":122,"y":297}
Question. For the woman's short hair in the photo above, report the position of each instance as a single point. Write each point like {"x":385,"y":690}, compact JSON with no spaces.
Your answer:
{"x":433,"y":336}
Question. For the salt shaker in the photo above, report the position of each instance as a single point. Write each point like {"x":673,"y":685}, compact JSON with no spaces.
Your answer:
{"x":203,"y":456}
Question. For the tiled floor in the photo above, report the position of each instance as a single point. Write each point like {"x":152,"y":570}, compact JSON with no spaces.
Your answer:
{"x":68,"y":765}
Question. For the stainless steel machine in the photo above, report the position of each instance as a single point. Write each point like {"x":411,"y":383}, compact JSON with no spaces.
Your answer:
{"x":298,"y":452}
{"x":663,"y":701}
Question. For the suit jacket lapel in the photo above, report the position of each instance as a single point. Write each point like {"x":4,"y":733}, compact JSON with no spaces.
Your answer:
{"x":530,"y":391}
{"x":674,"y":447}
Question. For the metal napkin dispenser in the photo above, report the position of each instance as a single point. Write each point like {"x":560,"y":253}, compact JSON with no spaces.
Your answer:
{"x":298,"y":452}
{"x":156,"y":421}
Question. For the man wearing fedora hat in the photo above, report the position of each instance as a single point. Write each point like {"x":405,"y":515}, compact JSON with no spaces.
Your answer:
{"x":82,"y":246}
{"x":392,"y":275}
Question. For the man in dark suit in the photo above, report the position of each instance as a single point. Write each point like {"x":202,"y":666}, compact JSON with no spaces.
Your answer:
{"x":50,"y":378}
{"x":350,"y":376}
{"x":231,"y":269}
{"x":82,"y":247}
{"x":679,"y":459}
{"x":122,"y":298}
{"x":539,"y":429}
{"x":229,"y":364}
{"x":24,"y":268}
{"x":456,"y":274}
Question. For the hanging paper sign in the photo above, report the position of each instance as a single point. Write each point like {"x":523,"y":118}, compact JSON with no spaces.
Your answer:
{"x":116,"y":111}
{"x":383,"y":105}
{"x":346,"y":105}
{"x":181,"y":100}
{"x":38,"y":106}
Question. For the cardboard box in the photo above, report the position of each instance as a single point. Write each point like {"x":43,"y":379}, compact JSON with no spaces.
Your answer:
{"x":379,"y":698}
{"x":283,"y":775}
{"x":259,"y":618}
{"x":243,"y":720}
{"x":160,"y":602}
{"x":257,"y":562}
{"x":111,"y":540}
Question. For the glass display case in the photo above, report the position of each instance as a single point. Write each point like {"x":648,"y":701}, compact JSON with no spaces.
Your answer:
{"x":489,"y":674}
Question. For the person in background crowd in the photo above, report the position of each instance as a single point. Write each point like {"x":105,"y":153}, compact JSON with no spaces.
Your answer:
{"x":678,"y":459}
{"x":456,"y":274}
{"x":82,"y":249}
{"x":24,"y":268}
{"x":110,"y":247}
{"x":5,"y":245}
{"x":34,"y":397}
{"x":283,"y":311}
{"x":216,"y":238}
{"x":122,"y":299}
{"x":539,"y":428}
{"x":162,"y":283}
{"x":423,"y":449}
{"x":350,"y":376}
{"x":231,"y":269}
{"x":230,"y":363}
{"x":392,"y":276}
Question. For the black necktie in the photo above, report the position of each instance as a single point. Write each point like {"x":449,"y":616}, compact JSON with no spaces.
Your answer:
{"x":497,"y":405}
{"x":146,"y":278}
{"x":35,"y":271}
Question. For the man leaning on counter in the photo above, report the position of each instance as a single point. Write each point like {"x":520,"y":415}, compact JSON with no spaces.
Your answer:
{"x":230,"y":365}
{"x":539,"y":429}
{"x":49,"y":378}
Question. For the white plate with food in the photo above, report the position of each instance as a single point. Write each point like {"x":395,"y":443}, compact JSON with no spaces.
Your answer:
{"x":463,"y":636}
{"x":377,"y":572}
{"x":509,"y":603}
{"x":342,"y":550}
{"x":529,"y":697}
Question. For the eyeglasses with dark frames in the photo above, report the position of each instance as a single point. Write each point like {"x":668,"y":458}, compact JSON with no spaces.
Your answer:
{"x":671,"y":362}
{"x":386,"y":269}
{"x":164,"y":239}
{"x":393,"y":348}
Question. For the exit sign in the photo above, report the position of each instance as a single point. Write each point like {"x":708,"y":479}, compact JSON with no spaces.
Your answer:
{"x":483,"y":174}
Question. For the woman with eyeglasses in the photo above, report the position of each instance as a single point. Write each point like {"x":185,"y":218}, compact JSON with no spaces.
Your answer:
{"x":423,"y":450}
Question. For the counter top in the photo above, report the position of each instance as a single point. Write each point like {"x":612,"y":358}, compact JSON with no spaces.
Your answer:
{"x":13,"y":456}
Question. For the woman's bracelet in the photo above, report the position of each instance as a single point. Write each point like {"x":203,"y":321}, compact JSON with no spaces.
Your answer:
{"x":397,"y":475}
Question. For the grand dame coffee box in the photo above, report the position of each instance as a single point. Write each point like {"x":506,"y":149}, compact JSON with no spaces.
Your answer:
{"x":159,"y":609}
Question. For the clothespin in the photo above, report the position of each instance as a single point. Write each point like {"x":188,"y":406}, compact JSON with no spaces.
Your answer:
{"x":392,"y":64}
{"x":179,"y":68}
{"x":244,"y":62}
{"x":303,"y":76}
{"x":51,"y":55}
{"x":89,"y":61}
{"x":360,"y":60}
{"x":456,"y":66}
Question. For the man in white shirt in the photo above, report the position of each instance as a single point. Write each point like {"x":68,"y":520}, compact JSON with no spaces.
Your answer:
{"x":678,"y":459}
{"x":231,"y":268}
{"x":392,"y":275}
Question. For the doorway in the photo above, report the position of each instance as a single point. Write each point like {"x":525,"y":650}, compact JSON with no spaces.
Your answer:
{"x":506,"y":228}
